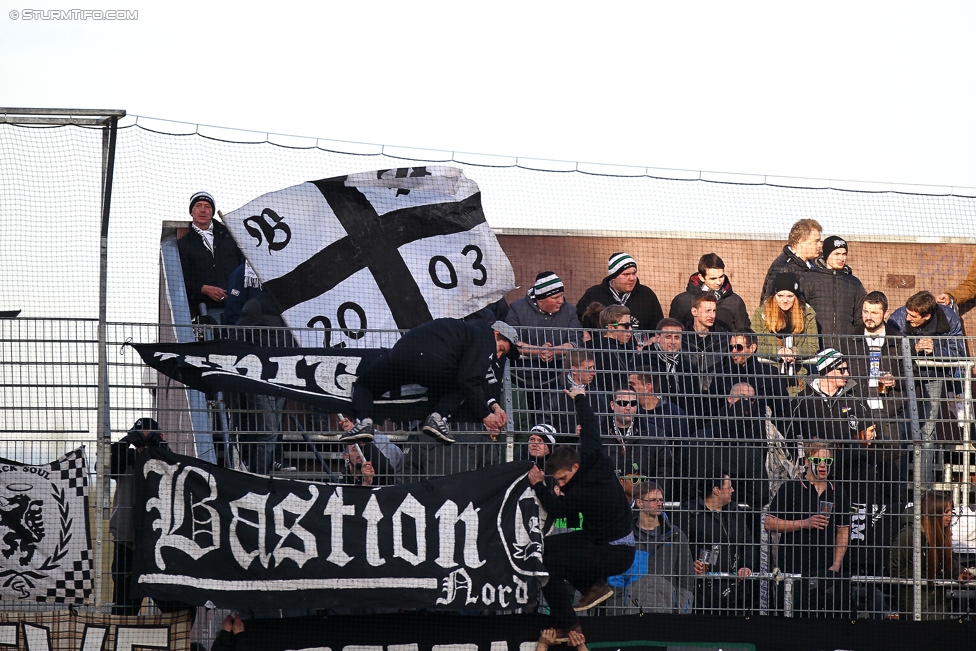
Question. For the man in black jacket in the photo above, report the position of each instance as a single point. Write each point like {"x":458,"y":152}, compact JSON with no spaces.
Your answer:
{"x":802,"y":248}
{"x":730,"y":309}
{"x":622,"y":287}
{"x":208,"y":255}
{"x":587,"y":485}
{"x":452,"y":359}
{"x":717,"y":527}
{"x":834,"y":292}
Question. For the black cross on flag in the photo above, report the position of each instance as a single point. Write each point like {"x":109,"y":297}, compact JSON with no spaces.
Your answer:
{"x":389,"y":249}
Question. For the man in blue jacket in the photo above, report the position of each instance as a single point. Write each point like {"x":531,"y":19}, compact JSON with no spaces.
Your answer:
{"x":936,"y":334}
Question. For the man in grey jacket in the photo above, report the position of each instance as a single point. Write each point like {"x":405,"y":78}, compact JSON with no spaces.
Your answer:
{"x":547,"y":328}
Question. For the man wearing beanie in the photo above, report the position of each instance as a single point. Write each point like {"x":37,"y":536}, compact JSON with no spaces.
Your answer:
{"x":802,"y":248}
{"x":831,"y":407}
{"x":833,"y":291}
{"x":208,"y":255}
{"x":547,"y":328}
{"x":622,"y":287}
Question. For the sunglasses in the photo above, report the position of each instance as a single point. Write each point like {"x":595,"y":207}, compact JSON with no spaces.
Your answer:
{"x":824,"y":460}
{"x":626,"y":326}
{"x":625,"y":403}
{"x":737,"y":347}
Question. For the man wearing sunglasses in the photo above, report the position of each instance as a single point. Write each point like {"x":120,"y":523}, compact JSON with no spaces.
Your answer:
{"x":740,"y":365}
{"x":811,"y":514}
{"x":633,"y":452}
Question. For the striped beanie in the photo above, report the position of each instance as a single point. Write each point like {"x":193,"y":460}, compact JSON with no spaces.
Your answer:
{"x":547,"y":284}
{"x":618,"y":262}
{"x":203,"y":196}
{"x":546,"y":432}
{"x":828,"y":359}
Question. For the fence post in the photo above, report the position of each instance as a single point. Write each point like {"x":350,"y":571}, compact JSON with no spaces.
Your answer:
{"x":916,"y":432}
{"x":103,"y":425}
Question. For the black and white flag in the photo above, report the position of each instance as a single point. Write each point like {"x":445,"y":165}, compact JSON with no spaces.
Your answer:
{"x":205,"y":533}
{"x":45,"y":553}
{"x":316,"y":376}
{"x":383,"y":250}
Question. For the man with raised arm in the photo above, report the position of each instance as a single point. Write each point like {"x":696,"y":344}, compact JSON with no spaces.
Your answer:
{"x":604,"y":546}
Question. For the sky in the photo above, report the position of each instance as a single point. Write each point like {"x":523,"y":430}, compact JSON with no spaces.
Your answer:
{"x":868,"y":91}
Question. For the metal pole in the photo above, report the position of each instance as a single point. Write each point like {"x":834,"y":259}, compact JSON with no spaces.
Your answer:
{"x":509,"y":454}
{"x":967,"y":410}
{"x":916,"y":431}
{"x":104,"y":423}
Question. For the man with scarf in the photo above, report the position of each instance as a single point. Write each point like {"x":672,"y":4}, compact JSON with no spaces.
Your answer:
{"x":704,"y":344}
{"x":936,"y":334}
{"x":730,"y":308}
{"x":208,"y":255}
{"x":636,"y":452}
{"x":622,"y":287}
{"x":666,"y":362}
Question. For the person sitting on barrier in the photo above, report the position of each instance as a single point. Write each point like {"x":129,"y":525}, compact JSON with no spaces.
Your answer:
{"x":208,"y":256}
{"x":787,"y":327}
{"x":660,"y":578}
{"x":721,"y":541}
{"x":938,"y":561}
{"x":614,"y":353}
{"x":604,"y":546}
{"x":557,"y":409}
{"x":452,"y":359}
{"x":813,"y":515}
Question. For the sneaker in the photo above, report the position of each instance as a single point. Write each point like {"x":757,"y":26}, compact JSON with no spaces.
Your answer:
{"x":436,"y":425}
{"x":596,"y":595}
{"x":361,"y":431}
{"x":280,"y":468}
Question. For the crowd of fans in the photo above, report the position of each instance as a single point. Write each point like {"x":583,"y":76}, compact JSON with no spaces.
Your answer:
{"x":775,"y":445}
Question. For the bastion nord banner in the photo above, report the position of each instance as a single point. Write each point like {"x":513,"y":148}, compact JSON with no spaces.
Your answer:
{"x":470,"y":540}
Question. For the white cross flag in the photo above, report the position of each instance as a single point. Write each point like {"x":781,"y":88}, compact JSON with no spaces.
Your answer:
{"x":389,"y":249}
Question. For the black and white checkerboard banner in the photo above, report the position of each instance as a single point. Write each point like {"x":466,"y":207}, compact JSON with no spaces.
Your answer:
{"x":45,"y":548}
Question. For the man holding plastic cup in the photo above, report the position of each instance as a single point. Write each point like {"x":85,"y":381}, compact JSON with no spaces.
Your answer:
{"x":814,"y":536}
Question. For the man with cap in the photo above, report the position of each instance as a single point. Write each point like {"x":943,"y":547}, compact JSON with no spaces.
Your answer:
{"x":547,"y":328}
{"x":622,"y":287}
{"x":208,"y":255}
{"x":802,"y":248}
{"x":452,"y":359}
{"x":833,"y":291}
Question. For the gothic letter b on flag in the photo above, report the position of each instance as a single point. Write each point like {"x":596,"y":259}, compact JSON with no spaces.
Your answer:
{"x":389,"y":249}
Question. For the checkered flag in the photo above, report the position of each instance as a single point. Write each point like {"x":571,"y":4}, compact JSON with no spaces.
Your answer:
{"x":47,"y":547}
{"x":390,"y":249}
